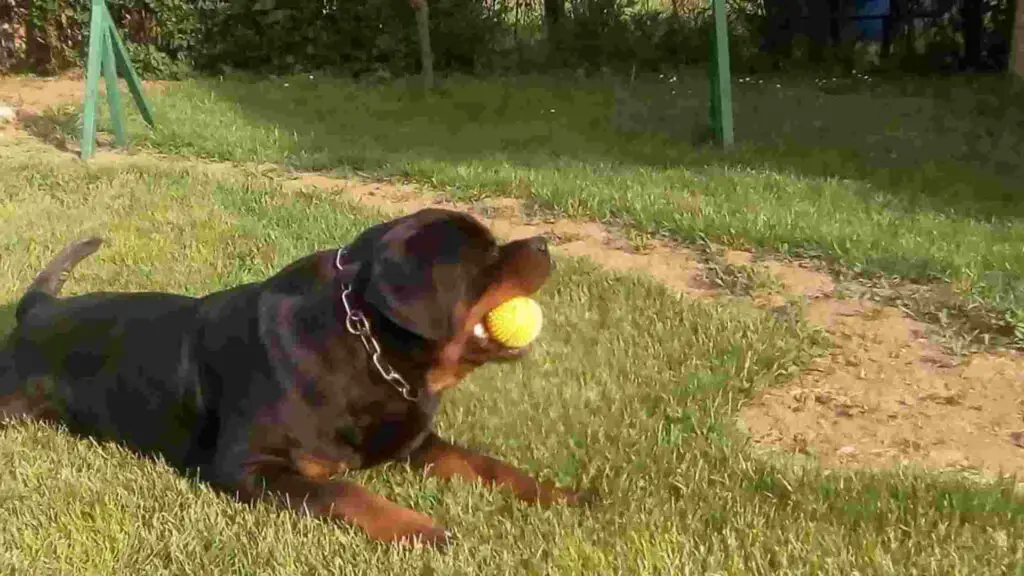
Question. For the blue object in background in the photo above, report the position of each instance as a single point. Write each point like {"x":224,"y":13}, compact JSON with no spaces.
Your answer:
{"x":872,"y":29}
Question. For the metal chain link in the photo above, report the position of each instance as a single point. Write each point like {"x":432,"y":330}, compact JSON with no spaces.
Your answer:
{"x":357,"y":324}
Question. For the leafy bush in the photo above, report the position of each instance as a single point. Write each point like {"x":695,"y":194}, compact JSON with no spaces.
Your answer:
{"x":287,"y":36}
{"x":167,"y":38}
{"x":160,"y":34}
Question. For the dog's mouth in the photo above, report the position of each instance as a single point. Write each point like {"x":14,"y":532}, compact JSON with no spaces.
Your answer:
{"x":480,"y":332}
{"x":523,"y":267}
{"x":486,"y":343}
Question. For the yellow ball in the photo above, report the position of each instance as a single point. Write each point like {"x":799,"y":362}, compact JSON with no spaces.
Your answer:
{"x":516,"y":322}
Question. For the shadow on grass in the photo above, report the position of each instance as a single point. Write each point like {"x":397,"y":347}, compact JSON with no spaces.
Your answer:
{"x":954,"y":146}
{"x":59,"y":127}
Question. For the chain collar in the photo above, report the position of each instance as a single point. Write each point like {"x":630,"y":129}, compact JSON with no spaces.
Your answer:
{"x":357,"y":323}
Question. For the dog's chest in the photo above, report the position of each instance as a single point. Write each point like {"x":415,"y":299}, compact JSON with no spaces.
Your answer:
{"x":360,"y":435}
{"x":335,"y":409}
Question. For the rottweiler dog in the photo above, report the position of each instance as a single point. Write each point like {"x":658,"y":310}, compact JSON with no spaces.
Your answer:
{"x":336,"y":363}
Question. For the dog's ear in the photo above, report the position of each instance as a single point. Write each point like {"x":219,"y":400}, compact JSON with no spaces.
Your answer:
{"x":418,"y":275}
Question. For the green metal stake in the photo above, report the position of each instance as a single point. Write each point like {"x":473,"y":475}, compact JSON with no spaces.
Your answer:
{"x":131,"y":78}
{"x":97,"y":30}
{"x":107,"y":52}
{"x":721,"y":79}
{"x":113,"y":92}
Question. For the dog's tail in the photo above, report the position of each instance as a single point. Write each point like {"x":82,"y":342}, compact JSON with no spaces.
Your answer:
{"x":48,"y":283}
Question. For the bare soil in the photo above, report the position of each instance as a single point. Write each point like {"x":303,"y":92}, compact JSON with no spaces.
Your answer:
{"x":34,"y":95}
{"x":885,"y":395}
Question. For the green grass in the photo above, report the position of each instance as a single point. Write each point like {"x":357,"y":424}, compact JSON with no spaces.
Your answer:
{"x":645,"y":415}
{"x":916,"y":179}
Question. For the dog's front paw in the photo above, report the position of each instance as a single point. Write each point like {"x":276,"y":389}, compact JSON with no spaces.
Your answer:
{"x":413,"y":528}
{"x":435,"y":537}
{"x":551,"y":494}
{"x":587,"y":497}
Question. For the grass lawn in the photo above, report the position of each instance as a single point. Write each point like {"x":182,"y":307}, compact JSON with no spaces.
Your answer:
{"x":645,"y":415}
{"x":917,"y":179}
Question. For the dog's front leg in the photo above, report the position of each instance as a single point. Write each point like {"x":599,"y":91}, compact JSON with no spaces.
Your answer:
{"x":380,"y":518}
{"x":443,"y":459}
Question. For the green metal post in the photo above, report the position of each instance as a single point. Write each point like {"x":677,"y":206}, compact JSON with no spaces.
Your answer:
{"x":113,"y":91}
{"x":721,"y":78}
{"x":97,"y":31}
{"x":130,"y":77}
{"x":108,"y":54}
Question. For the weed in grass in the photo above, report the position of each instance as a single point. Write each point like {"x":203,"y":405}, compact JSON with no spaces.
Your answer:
{"x":960,"y":320}
{"x":738,"y":279}
{"x":639,"y":242}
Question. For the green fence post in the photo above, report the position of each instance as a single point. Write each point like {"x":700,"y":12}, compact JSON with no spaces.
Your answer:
{"x":721,"y":79}
{"x":113,"y":92}
{"x":97,"y":30}
{"x":130,"y":77}
{"x":108,"y":53}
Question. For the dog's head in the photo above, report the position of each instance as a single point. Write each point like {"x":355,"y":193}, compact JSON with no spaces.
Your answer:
{"x":436,"y":273}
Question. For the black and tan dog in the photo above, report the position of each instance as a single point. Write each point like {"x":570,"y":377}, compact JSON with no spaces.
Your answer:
{"x":336,"y":363}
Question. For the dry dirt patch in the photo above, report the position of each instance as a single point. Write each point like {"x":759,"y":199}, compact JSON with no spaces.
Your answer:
{"x":32,"y":96}
{"x":885,"y":394}
{"x":37,"y":94}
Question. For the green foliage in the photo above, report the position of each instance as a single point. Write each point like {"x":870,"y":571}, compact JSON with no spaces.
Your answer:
{"x":468,"y":36}
{"x":161,"y":34}
{"x":284,"y":36}
{"x":151,"y":62}
{"x":53,"y":34}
